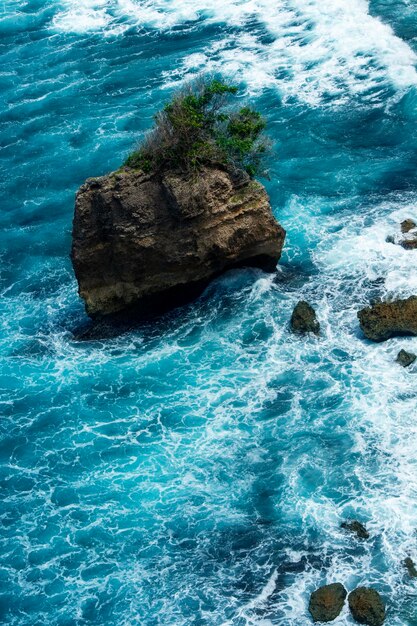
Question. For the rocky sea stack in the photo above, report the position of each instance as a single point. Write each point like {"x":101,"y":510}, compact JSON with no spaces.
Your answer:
{"x":183,"y":209}
{"x":151,"y":240}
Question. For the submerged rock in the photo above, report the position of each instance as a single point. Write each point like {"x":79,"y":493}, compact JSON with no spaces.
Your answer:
{"x":411,"y":568}
{"x":405,"y":358}
{"x":304,"y":319}
{"x":389,"y":319}
{"x":151,"y":241}
{"x":327,"y":602}
{"x":357,"y":528}
{"x":367,"y":606}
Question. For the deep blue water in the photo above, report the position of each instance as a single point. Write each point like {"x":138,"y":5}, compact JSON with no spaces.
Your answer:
{"x":195,"y":471}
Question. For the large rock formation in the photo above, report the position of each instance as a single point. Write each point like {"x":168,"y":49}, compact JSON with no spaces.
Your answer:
{"x":389,"y":319}
{"x":149,"y":241}
{"x":327,"y":602}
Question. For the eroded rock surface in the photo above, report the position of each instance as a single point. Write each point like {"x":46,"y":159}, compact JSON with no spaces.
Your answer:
{"x":327,"y":602}
{"x":389,"y":319}
{"x":143,"y":240}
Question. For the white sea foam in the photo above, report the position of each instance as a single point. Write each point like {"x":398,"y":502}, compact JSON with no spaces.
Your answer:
{"x":326,"y":50}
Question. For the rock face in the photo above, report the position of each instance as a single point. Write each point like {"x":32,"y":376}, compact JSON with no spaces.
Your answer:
{"x":327,"y":602}
{"x":357,"y":528}
{"x":144,"y":240}
{"x":366,"y":606}
{"x":389,"y":319}
{"x":304,"y":319}
{"x":405,"y":358}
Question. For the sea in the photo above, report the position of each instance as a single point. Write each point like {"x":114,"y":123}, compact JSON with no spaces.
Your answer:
{"x":194,"y":470}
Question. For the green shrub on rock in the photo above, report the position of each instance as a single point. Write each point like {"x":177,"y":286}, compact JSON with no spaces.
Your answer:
{"x":198,"y":127}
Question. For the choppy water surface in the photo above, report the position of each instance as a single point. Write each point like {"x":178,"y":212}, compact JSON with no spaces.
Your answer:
{"x":195,"y":471}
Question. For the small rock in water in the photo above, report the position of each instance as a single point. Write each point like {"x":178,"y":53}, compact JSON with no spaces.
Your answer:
{"x":327,"y":602}
{"x":405,"y":358}
{"x":357,"y":528}
{"x":304,"y":319}
{"x":367,"y":606}
{"x":411,"y":568}
{"x":407,"y":225}
{"x":389,"y":319}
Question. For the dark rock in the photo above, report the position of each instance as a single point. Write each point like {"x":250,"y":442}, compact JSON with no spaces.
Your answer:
{"x":367,"y":606}
{"x":304,"y":319}
{"x":411,"y":568}
{"x":327,"y":602}
{"x":407,"y":225}
{"x":150,"y":241}
{"x":356,"y":528}
{"x":389,"y":319}
{"x":405,"y":358}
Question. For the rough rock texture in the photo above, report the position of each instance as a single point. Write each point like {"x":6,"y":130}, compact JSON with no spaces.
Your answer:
{"x":389,"y":319}
{"x":153,"y":240}
{"x":367,"y":606}
{"x":405,"y":358}
{"x":411,"y":567}
{"x":327,"y":602}
{"x":357,"y":528}
{"x":304,"y":319}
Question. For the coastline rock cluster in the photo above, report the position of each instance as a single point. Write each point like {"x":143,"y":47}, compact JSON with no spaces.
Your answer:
{"x":153,"y":240}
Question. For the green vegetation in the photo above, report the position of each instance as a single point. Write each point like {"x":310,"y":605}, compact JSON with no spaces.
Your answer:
{"x":198,"y":127}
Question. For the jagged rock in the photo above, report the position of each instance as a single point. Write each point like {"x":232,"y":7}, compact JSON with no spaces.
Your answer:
{"x":411,"y":568}
{"x":407,"y":225}
{"x":357,"y":528}
{"x":149,"y":241}
{"x":304,"y":319}
{"x":367,"y":606}
{"x":327,"y":602}
{"x":389,"y":319}
{"x":405,"y":358}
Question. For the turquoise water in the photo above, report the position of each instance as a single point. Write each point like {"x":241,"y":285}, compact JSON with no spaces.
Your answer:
{"x":195,"y":471}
